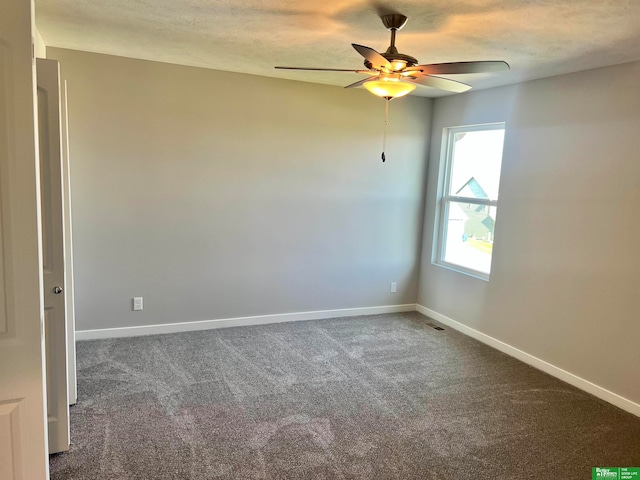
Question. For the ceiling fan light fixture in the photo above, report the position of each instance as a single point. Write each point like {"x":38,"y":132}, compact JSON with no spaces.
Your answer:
{"x":389,"y":87}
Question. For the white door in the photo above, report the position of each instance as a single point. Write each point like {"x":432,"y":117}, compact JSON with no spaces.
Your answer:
{"x":53,"y":254}
{"x":68,"y":251}
{"x":23,"y":426}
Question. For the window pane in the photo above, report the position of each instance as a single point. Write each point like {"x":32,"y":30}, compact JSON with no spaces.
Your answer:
{"x":476,"y":161}
{"x":469,"y":235}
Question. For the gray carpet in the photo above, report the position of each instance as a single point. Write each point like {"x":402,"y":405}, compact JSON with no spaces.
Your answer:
{"x":372,"y":397}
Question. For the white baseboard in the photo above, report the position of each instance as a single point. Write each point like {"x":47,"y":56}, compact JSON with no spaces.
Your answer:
{"x":595,"y":390}
{"x":237,"y":322}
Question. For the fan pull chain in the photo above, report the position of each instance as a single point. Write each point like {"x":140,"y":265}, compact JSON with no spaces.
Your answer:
{"x":386,"y":122}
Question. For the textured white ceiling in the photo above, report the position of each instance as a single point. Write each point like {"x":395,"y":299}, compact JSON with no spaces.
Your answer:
{"x":538,"y":38}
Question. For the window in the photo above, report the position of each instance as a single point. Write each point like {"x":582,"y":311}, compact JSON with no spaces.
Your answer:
{"x":472,"y":158}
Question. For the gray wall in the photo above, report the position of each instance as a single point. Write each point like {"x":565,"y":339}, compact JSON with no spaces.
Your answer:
{"x":564,"y":284}
{"x":217,"y":195}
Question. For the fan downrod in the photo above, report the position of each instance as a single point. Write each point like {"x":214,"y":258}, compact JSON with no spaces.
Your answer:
{"x":393,"y":23}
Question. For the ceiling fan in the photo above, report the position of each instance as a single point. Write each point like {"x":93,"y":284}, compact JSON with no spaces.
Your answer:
{"x":393,"y":74}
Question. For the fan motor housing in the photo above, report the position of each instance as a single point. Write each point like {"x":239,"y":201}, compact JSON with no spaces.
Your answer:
{"x":391,"y":57}
{"x":400,"y":56}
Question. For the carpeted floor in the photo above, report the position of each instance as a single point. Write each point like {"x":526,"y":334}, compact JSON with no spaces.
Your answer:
{"x":372,"y":397}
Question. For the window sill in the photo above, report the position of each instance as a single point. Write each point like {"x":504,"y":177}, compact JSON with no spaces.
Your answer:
{"x":465,"y":271}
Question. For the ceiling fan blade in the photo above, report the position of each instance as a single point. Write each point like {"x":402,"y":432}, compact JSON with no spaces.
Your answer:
{"x":456,"y":68}
{"x":440,"y":83}
{"x":323,"y":69}
{"x":360,"y":82}
{"x":377,"y":61}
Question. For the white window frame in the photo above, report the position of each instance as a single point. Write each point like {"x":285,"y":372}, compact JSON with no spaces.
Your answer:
{"x":445,"y":198}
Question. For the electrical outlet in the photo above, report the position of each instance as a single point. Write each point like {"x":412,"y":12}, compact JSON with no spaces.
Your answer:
{"x":394,"y":287}
{"x":137,"y":303}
